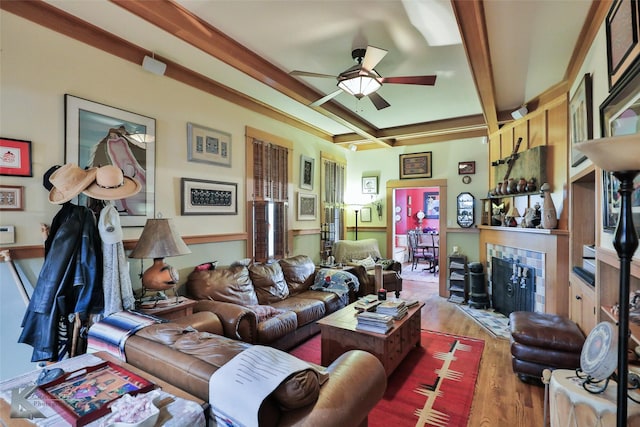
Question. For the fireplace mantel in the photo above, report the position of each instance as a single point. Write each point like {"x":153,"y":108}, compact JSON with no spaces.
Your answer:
{"x":554,"y":244}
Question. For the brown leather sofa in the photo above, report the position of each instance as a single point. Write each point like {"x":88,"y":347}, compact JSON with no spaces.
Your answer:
{"x":185,"y":353}
{"x":355,"y":253}
{"x":268,"y":304}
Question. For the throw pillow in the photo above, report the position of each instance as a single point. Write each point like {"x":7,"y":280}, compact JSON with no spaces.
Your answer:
{"x":368,"y":263}
{"x":268,"y":281}
{"x":386,"y":263}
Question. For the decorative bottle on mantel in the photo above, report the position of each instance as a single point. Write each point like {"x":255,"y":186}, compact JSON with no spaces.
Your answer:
{"x":549,"y":218}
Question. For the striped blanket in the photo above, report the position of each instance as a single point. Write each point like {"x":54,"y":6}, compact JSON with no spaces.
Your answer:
{"x":111,"y":333}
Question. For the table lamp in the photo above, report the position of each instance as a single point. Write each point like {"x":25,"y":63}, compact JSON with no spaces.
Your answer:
{"x":159,"y":239}
{"x":620,"y":155}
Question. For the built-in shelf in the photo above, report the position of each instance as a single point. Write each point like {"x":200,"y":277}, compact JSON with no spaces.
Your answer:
{"x":525,"y":230}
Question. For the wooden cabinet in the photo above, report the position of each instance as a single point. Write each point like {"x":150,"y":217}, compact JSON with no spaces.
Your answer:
{"x":582,"y":226}
{"x":458,"y":279}
{"x":582,"y":309}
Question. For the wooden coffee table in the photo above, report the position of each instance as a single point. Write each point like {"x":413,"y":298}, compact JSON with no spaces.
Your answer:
{"x":339,"y":335}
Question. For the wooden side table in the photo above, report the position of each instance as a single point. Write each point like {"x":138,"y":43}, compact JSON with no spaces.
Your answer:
{"x":169,"y":309}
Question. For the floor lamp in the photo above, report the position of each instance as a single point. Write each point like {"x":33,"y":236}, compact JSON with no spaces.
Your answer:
{"x":356,"y":211}
{"x":620,"y":155}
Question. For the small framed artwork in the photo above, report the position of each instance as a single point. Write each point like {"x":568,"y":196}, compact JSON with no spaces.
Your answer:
{"x":466,"y":168}
{"x":307,"y":203}
{"x":623,"y":38}
{"x":619,"y":115}
{"x":11,"y":198}
{"x":202,"y":197}
{"x":206,"y":145}
{"x":580,"y":118}
{"x":370,"y":185}
{"x":431,"y":205}
{"x":415,"y":165}
{"x":15,"y":157}
{"x":307,"y":170}
{"x":365,"y":214}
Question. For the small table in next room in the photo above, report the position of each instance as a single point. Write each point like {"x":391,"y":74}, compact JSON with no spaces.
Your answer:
{"x":339,"y":335}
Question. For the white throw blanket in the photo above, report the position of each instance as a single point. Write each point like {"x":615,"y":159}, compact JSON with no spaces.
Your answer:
{"x":237,"y":389}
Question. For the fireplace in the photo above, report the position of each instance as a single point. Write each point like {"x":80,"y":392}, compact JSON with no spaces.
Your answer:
{"x":513,"y":286}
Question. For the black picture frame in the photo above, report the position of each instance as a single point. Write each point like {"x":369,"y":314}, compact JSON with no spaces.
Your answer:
{"x":204,"y":197}
{"x":431,"y":205}
{"x":581,"y":118}
{"x":619,"y":114}
{"x":622,"y":26}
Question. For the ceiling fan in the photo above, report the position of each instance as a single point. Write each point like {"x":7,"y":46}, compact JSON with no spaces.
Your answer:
{"x":362,"y":80}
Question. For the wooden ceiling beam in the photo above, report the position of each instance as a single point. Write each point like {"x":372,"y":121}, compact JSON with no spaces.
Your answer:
{"x":472,"y":24}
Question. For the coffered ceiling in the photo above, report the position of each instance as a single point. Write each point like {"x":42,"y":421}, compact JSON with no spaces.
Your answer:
{"x":497,"y":55}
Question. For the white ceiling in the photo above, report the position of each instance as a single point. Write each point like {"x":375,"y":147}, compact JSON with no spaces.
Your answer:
{"x":530,"y":44}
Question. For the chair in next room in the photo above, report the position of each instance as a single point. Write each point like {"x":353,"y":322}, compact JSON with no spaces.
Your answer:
{"x":419,"y":252}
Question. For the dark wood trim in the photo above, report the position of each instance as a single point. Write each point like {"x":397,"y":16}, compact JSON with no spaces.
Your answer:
{"x":306,"y":232}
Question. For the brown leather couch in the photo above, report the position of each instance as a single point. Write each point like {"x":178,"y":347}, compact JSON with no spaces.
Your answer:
{"x":268,"y":304}
{"x":187,"y":357}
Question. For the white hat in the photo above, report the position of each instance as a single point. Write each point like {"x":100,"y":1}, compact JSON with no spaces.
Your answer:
{"x":111,"y":184}
{"x":109,"y":225}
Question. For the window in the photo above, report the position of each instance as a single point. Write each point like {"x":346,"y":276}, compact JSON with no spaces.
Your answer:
{"x":268,"y":172}
{"x":332,"y":214}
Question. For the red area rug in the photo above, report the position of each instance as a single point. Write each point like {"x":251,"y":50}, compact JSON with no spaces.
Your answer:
{"x":433,"y":386}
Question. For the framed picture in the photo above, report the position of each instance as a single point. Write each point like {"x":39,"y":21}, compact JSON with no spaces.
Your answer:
{"x":466,"y":168}
{"x":83,"y":396}
{"x":307,"y":171}
{"x":98,"y":135}
{"x":307,"y":206}
{"x":370,"y":185}
{"x":365,"y":214}
{"x":11,"y":198}
{"x":15,"y":157}
{"x":202,"y":197}
{"x":415,"y":165}
{"x":431,"y":205}
{"x":581,"y":118}
{"x":623,"y":37}
{"x":208,"y":145}
{"x":620,"y":115}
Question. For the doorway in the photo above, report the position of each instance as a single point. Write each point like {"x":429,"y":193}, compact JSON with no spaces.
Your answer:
{"x":416,"y":204}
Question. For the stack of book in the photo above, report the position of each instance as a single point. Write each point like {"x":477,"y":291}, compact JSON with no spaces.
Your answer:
{"x":396,"y":309}
{"x":374,"y":322}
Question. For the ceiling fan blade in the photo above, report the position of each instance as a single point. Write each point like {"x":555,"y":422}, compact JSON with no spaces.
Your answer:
{"x":411,"y":80}
{"x":378,"y":101}
{"x":309,"y":74}
{"x":325,"y":98}
{"x":372,"y":57}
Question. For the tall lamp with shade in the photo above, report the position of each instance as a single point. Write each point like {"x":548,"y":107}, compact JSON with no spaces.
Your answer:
{"x":159,"y":239}
{"x":620,"y":155}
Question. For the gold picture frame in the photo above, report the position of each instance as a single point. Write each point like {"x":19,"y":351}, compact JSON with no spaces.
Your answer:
{"x":415,"y":165}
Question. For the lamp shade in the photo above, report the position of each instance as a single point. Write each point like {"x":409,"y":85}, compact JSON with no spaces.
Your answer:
{"x":159,"y":239}
{"x":359,"y":83}
{"x":616,"y":153}
{"x":513,"y":212}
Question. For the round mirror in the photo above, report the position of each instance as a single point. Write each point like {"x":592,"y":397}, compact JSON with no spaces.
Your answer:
{"x":465,"y":210}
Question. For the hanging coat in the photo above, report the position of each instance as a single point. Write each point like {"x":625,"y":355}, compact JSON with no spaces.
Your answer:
{"x":70,"y":282}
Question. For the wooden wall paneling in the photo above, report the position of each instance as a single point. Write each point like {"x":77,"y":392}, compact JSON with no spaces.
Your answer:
{"x":558,"y":141}
{"x":537,"y":130}
{"x":494,"y":154}
{"x":521,"y":130}
{"x":507,"y":141}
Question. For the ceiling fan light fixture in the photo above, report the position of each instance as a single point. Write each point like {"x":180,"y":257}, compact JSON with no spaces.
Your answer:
{"x":359,"y":85}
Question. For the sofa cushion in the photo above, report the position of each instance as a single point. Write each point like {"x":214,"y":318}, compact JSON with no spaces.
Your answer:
{"x":263,"y":312}
{"x":299,"y":272}
{"x":275,"y":327}
{"x":307,"y":310}
{"x":228,"y":284}
{"x":268,"y":282}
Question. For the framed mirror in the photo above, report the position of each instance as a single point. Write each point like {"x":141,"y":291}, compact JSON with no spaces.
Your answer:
{"x":465,"y":213}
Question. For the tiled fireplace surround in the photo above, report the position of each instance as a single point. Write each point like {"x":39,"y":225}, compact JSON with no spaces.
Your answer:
{"x":523,"y":256}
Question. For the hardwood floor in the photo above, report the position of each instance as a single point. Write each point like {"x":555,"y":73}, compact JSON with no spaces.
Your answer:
{"x":501,"y":399}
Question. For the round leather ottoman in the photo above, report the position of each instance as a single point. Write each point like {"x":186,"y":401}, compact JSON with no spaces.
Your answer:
{"x":543,"y":341}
